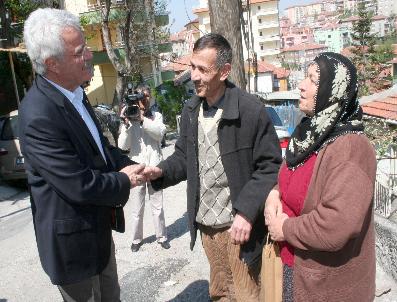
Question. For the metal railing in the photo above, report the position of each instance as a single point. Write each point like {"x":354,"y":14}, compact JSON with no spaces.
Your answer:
{"x":386,"y":185}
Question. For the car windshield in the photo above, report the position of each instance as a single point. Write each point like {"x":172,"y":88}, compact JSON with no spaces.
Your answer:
{"x":9,"y":128}
{"x":274,"y":116}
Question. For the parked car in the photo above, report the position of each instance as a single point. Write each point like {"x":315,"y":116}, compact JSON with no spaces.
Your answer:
{"x":12,"y":163}
{"x":282,"y":131}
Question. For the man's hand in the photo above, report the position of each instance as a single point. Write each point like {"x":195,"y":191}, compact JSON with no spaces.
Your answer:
{"x":122,"y":115}
{"x":240,"y":230}
{"x":275,"y":227}
{"x":152,"y":173}
{"x":135,"y":174}
{"x":273,"y":206}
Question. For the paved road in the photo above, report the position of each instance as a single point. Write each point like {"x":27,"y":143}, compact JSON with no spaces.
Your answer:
{"x":151,"y":274}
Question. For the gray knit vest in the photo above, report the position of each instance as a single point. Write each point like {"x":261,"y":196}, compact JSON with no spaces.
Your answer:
{"x":215,"y":207}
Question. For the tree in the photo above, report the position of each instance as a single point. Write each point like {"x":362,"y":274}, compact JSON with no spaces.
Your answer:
{"x":225,"y":18}
{"x":135,"y":20}
{"x":363,"y":42}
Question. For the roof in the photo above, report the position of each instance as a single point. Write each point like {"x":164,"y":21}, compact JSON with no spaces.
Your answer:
{"x":192,"y":21}
{"x":385,"y":108}
{"x":200,"y":10}
{"x":382,"y":104}
{"x":180,"y":64}
{"x":179,"y":36}
{"x":263,"y":67}
{"x":282,"y":95}
{"x":308,"y":46}
{"x":356,"y":18}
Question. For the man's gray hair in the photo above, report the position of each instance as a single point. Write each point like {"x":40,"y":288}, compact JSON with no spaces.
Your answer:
{"x":42,"y":35}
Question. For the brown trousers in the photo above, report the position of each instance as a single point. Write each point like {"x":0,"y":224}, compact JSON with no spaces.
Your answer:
{"x":230,"y":278}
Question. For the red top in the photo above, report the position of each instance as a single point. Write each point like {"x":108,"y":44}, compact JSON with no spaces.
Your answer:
{"x":293,"y":185}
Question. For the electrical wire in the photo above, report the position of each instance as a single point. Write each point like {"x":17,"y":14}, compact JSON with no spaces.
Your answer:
{"x":190,"y":20}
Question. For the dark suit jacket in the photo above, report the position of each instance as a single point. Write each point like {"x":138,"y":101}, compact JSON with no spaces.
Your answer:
{"x":72,"y":188}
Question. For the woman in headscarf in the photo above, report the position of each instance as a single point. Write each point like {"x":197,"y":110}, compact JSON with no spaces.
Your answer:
{"x":326,"y":185}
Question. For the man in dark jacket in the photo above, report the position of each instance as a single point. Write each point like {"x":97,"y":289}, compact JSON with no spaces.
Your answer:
{"x":229,"y":153}
{"x":72,"y":170}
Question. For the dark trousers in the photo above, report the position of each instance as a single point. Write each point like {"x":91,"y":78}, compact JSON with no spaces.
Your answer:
{"x":103,"y":287}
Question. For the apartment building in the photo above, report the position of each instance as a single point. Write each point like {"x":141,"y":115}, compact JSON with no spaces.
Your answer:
{"x":380,"y":25}
{"x":183,"y":41}
{"x":296,"y":35}
{"x":387,"y":7}
{"x":102,"y":85}
{"x":303,"y":54}
{"x":352,"y":5}
{"x":265,"y":27}
{"x":299,"y":13}
{"x":335,"y":36}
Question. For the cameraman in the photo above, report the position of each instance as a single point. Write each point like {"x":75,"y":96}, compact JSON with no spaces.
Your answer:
{"x":141,"y":134}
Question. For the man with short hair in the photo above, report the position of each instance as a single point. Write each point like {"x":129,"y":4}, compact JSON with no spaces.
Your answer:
{"x":229,"y":153}
{"x":76,"y":179}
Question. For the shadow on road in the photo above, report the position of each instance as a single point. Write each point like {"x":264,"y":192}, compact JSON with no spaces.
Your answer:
{"x":175,"y":230}
{"x":195,"y":292}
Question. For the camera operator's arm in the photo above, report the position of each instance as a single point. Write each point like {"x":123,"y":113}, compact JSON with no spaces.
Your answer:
{"x":124,"y":140}
{"x":154,"y":126}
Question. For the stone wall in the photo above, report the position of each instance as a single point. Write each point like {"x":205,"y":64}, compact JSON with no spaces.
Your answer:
{"x":386,"y":244}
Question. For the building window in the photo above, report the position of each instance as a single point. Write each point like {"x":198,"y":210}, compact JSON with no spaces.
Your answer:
{"x":329,"y":36}
{"x":260,"y":20}
{"x":259,"y":7}
{"x":260,"y":33}
{"x":261,"y":47}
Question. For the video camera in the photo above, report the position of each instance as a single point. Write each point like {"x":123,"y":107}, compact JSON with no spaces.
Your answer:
{"x":131,"y":101}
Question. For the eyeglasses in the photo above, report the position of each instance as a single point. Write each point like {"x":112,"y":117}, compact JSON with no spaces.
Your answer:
{"x":81,"y":53}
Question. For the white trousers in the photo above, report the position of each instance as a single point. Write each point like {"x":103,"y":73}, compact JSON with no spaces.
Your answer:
{"x":138,"y":209}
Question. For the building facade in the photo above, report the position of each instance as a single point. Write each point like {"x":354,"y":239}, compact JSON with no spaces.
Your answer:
{"x":336,"y":37}
{"x":265,"y":27}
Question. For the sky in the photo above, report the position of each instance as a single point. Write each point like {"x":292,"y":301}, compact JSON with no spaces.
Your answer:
{"x":181,"y":11}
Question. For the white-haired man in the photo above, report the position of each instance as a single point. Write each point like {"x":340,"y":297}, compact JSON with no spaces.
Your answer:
{"x":75,"y":177}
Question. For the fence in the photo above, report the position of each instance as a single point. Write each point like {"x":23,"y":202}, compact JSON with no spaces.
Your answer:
{"x":386,"y":185}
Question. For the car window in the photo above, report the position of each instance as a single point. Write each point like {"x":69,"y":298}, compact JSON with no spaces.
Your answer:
{"x":10,"y":128}
{"x":274,"y":116}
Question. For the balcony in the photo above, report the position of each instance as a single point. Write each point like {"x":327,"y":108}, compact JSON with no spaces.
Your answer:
{"x":268,"y":38}
{"x":267,"y":12}
{"x":271,"y":24}
{"x":92,"y":5}
{"x":269,"y":52}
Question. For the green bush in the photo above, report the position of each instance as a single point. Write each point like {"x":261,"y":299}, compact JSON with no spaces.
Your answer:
{"x":170,"y":102}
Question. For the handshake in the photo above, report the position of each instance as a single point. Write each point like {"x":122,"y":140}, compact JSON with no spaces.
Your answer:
{"x":139,"y":174}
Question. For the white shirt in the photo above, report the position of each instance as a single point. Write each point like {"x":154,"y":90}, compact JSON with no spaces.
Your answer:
{"x":76,"y":98}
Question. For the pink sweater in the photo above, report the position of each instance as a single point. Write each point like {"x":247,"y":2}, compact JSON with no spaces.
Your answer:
{"x":334,"y":235}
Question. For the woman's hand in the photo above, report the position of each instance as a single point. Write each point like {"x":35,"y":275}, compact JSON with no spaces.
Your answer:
{"x":273,"y":206}
{"x":275,"y":227}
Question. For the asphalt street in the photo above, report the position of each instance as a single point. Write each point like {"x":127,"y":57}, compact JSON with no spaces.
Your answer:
{"x":151,"y":274}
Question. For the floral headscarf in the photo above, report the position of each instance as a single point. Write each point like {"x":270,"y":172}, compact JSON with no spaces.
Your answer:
{"x":336,"y":111}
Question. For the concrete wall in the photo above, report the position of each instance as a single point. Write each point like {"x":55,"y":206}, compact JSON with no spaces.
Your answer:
{"x":386,"y":244}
